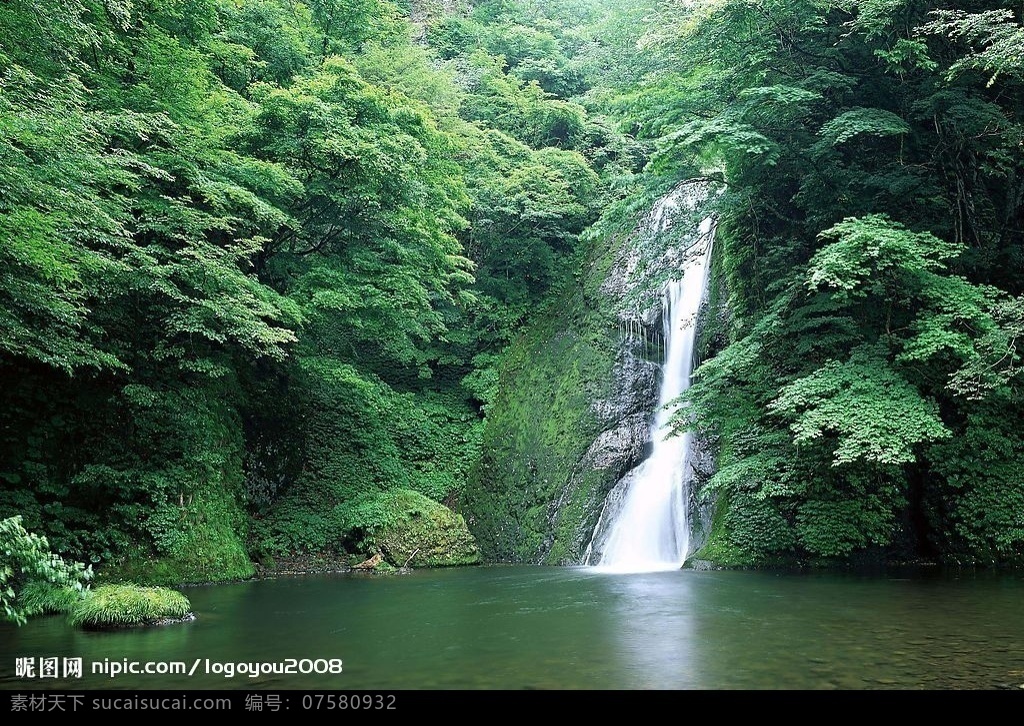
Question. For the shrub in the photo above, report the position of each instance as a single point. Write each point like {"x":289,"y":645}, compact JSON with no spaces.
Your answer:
{"x":126,"y":606}
{"x":408,"y":528}
{"x":42,"y":598}
{"x":25,"y":558}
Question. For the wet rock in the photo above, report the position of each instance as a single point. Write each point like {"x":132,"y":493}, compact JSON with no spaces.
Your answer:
{"x":579,"y":391}
{"x":636,"y":385}
{"x":633,"y":286}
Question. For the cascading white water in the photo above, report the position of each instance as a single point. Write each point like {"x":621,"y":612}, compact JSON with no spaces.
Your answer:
{"x":651,"y":531}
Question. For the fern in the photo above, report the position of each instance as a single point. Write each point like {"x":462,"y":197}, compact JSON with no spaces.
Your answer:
{"x":863,"y":121}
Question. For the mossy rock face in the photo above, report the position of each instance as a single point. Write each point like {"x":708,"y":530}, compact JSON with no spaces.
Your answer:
{"x":129,"y":606}
{"x":409,"y":528}
{"x":200,"y":540}
{"x":571,"y":416}
{"x":577,"y":393}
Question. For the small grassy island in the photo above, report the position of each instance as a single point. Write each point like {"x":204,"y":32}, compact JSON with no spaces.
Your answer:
{"x":129,"y":606}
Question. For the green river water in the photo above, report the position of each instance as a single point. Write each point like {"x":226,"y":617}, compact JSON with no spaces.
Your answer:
{"x":570,"y":628}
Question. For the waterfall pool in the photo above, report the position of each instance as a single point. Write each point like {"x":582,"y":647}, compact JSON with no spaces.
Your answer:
{"x":569,"y":628}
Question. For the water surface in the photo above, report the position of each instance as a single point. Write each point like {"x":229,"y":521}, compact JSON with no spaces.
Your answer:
{"x":573,"y":628}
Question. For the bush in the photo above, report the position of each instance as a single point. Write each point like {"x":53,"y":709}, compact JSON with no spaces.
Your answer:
{"x":42,"y":598}
{"x":126,"y":606}
{"x":408,"y":528}
{"x":26,"y":562}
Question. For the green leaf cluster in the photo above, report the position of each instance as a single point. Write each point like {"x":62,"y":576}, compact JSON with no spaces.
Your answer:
{"x":251,"y":251}
{"x":30,"y":572}
{"x":869,"y":242}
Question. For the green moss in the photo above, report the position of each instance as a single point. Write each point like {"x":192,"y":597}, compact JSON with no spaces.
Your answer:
{"x":574,"y":515}
{"x":365,"y":438}
{"x":198,"y":539}
{"x":527,"y":500}
{"x":716,"y":322}
{"x":125,"y":606}
{"x":539,"y":427}
{"x":719,"y":549}
{"x":408,"y":528}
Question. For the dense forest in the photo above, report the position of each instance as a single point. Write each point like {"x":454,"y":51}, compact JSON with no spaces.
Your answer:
{"x":261,"y":260}
{"x":871,"y":244}
{"x":273,"y":270}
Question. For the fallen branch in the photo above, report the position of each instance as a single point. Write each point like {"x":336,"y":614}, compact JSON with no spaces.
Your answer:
{"x":410,"y":558}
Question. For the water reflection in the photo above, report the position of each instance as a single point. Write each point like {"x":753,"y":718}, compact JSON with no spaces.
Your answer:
{"x":654,"y":630}
{"x":555,"y":628}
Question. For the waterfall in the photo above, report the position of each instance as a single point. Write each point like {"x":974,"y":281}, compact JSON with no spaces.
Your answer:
{"x":648,"y":527}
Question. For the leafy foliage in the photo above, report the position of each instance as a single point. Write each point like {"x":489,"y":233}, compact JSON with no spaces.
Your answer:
{"x":244,"y":268}
{"x":868,"y":121}
{"x":264,"y":261}
{"x":995,"y":36}
{"x":872,"y":270}
{"x":853,"y":400}
{"x":28,"y":569}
